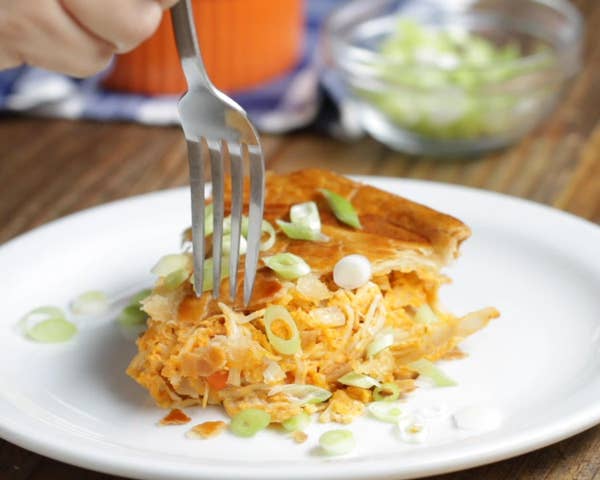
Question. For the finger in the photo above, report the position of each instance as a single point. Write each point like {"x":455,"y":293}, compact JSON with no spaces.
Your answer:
{"x":123,"y":23}
{"x":44,"y":35}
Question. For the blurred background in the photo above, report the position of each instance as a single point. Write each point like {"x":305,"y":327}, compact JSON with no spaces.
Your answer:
{"x":498,"y":94}
{"x":502,"y":95}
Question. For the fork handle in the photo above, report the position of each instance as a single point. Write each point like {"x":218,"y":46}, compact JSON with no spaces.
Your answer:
{"x":182,"y":16}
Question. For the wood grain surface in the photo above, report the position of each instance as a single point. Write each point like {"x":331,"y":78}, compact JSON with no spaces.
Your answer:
{"x":50,"y":168}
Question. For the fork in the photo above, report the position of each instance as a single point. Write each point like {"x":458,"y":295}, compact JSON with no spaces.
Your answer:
{"x":216,"y":127}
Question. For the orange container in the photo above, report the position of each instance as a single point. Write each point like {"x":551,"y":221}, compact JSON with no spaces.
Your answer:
{"x":244,"y":43}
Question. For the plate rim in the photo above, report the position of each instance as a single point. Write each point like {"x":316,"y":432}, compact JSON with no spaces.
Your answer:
{"x":521,"y":442}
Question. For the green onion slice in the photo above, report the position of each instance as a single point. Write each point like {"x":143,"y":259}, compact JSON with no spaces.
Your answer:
{"x":54,"y":330}
{"x":287,"y":265}
{"x":385,"y":411}
{"x":207,"y":281}
{"x":302,"y":393}
{"x":388,"y":392}
{"x":358,"y":380}
{"x":426,"y":315}
{"x":382,"y":340}
{"x":299,"y":231}
{"x":140,"y":296}
{"x":227,"y":244}
{"x":132,"y":315}
{"x":267,"y":228}
{"x":296,"y":423}
{"x":342,"y":208}
{"x":176,"y":278}
{"x":93,"y":302}
{"x":248,"y":423}
{"x":47,"y":325}
{"x":427,"y":369}
{"x":286,"y":346}
{"x":208,"y":219}
{"x":171,"y":263}
{"x":306,"y":214}
{"x":337,"y":442}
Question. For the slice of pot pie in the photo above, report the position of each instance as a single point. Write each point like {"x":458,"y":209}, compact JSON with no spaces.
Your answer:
{"x":344,"y":313}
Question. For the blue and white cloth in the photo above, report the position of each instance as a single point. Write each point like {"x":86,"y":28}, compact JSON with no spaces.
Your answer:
{"x":284,"y":104}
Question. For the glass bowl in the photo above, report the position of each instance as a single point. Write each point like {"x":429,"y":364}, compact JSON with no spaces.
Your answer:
{"x":429,"y":79}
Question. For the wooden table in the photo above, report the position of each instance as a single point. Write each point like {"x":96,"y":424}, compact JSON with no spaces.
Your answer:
{"x":52,"y":168}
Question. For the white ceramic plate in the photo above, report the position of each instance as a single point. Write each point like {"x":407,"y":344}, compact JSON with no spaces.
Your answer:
{"x":539,"y":364}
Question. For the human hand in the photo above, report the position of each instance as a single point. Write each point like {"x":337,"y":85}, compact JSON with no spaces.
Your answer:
{"x":76,"y":37}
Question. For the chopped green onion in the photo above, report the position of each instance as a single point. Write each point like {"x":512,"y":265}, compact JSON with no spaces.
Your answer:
{"x":337,"y":442}
{"x":227,"y":244}
{"x":381,"y":341}
{"x":248,"y":423}
{"x":287,"y":265}
{"x":302,"y":393}
{"x":176,"y":278}
{"x":53,"y":330}
{"x":427,"y":369}
{"x":171,"y":263}
{"x":93,"y":302}
{"x":47,"y":325}
{"x":426,"y":315}
{"x":140,"y":296}
{"x":296,"y":423}
{"x":385,"y":411}
{"x":267,"y":228}
{"x":286,"y":346}
{"x":207,"y":281}
{"x":208,"y":219}
{"x":299,"y":231}
{"x":342,"y":208}
{"x":132,"y":315}
{"x":358,"y":380}
{"x":388,"y":392}
{"x":306,"y":214}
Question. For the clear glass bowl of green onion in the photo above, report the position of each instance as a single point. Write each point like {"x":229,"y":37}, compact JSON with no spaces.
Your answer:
{"x":430,"y":77}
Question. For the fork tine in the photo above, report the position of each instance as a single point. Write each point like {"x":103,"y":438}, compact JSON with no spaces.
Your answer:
{"x":216,"y":164}
{"x":196,"y":166}
{"x":237,"y":201}
{"x":257,"y":194}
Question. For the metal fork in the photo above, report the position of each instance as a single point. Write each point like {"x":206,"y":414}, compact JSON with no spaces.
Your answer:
{"x":217,"y":127}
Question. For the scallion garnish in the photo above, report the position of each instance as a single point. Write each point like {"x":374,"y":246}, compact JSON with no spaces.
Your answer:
{"x":267,"y":228}
{"x":287,"y":265}
{"x":342,"y":208}
{"x":171,"y":263}
{"x":427,"y":369}
{"x":248,"y":423}
{"x":132,"y":315}
{"x":227,"y":244}
{"x":425,"y":315}
{"x":47,"y":325}
{"x":176,"y":278}
{"x":132,"y":319}
{"x":337,"y":442}
{"x":207,"y":281}
{"x":93,"y":302}
{"x":296,"y":423}
{"x":299,"y":231}
{"x":301,"y":394}
{"x":387,"y":392}
{"x":306,"y":214}
{"x":385,"y":411}
{"x":382,"y":340}
{"x":360,"y":380}
{"x":287,"y":346}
